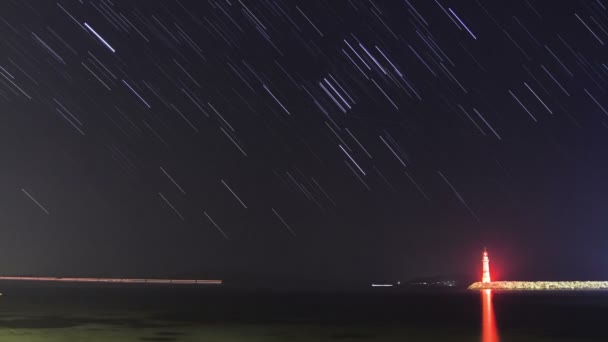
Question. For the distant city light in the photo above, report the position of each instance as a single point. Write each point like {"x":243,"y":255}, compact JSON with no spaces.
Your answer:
{"x":118,"y":280}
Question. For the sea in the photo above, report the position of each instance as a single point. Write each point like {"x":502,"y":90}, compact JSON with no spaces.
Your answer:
{"x":198,"y":313}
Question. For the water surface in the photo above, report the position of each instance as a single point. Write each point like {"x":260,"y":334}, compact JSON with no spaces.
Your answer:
{"x":135,"y":313}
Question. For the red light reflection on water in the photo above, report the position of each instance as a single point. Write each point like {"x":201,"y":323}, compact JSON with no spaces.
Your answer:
{"x":489,"y":331}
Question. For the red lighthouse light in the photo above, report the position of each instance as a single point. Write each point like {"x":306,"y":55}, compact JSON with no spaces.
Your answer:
{"x":485,"y":276}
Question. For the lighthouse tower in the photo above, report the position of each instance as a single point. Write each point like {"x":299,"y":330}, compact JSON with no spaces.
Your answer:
{"x":485,"y":277}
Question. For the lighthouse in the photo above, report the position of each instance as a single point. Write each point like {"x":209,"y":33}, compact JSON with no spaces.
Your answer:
{"x":485,"y":277}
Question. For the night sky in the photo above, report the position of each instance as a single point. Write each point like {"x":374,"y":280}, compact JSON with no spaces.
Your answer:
{"x":304,"y":141}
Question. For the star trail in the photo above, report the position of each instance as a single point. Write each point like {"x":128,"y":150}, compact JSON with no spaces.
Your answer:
{"x":349,"y":133}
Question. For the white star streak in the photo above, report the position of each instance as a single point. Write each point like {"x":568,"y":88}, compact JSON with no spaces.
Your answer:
{"x":221,"y":117}
{"x":338,"y":93}
{"x":357,"y":54}
{"x":67,"y":111}
{"x":372,"y":58}
{"x":338,"y":136}
{"x":323,"y":191}
{"x":389,"y":61}
{"x":449,"y":16}
{"x":136,"y":94}
{"x":522,"y":106}
{"x":171,"y":206}
{"x":358,"y":143}
{"x":195,"y":103}
{"x":16,"y":86}
{"x":103,"y":65}
{"x":357,"y":175}
{"x":310,"y":21}
{"x":596,"y":102}
{"x":555,"y":80}
{"x":283,"y":221}
{"x":332,"y":97}
{"x":216,"y":226}
{"x":588,"y":28}
{"x":471,"y":119}
{"x":351,"y":159}
{"x":462,"y":23}
{"x":70,"y":121}
{"x":185,"y":118}
{"x":100,"y":38}
{"x":173,"y":180}
{"x":390,"y":148}
{"x":458,"y":196}
{"x":417,"y":186}
{"x":559,"y":61}
{"x":275,"y":98}
{"x":95,"y":75}
{"x":51,"y":51}
{"x":385,"y":94}
{"x":34,"y":200}
{"x":422,"y":60}
{"x":71,"y":16}
{"x":541,"y":101}
{"x":232,"y":192}
{"x":487,"y":124}
{"x":233,"y":141}
{"x":343,"y":90}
